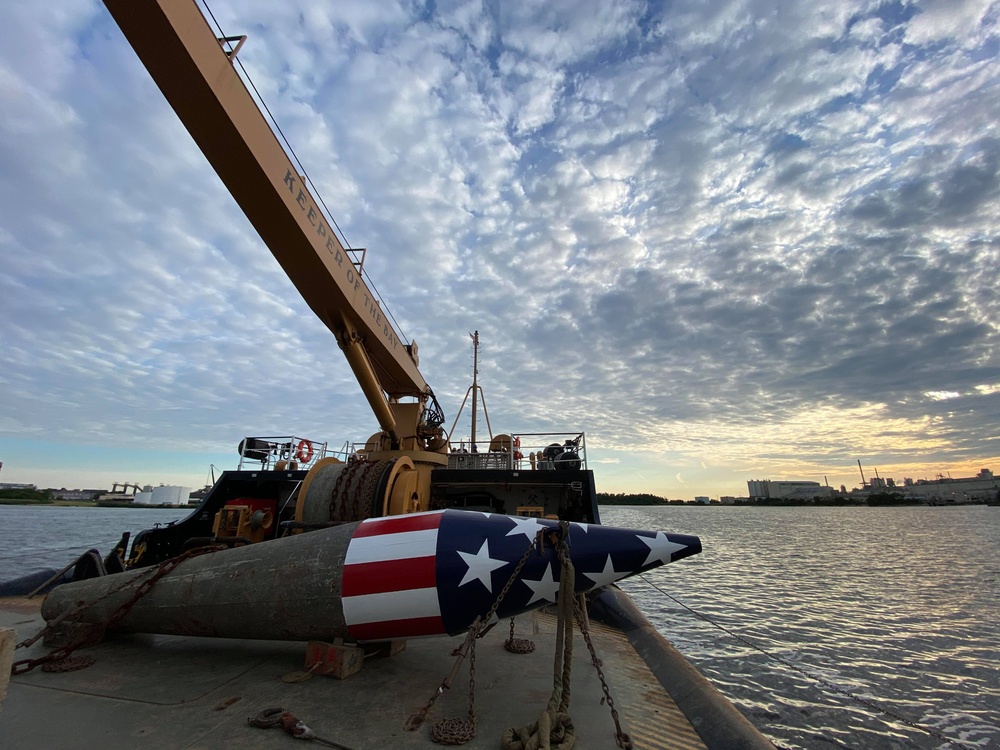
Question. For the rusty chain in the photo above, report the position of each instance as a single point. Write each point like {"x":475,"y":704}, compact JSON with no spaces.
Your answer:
{"x":94,"y":635}
{"x":456,"y":731}
{"x":477,"y":629}
{"x":369,"y":484}
{"x":336,"y":512}
{"x":554,"y":726}
{"x":69,"y":664}
{"x":341,"y":495}
{"x":622,"y":739}
{"x":518,"y":645}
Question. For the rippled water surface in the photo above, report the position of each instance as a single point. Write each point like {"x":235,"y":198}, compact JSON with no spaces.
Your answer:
{"x":38,"y":537}
{"x":838,"y":627}
{"x":830,"y":627}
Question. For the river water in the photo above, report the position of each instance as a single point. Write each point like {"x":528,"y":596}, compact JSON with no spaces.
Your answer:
{"x":860,"y":628}
{"x":838,"y":627}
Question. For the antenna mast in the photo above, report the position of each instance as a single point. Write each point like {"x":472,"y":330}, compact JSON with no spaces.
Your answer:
{"x":477,"y":393}
{"x":475,"y":380}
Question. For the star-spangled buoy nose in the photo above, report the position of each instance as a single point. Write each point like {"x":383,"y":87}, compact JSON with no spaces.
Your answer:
{"x":432,"y":573}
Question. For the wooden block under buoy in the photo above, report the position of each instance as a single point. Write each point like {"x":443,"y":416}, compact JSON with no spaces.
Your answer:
{"x":334,"y":659}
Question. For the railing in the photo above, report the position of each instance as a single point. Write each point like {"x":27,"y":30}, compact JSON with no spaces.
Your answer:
{"x":517,"y":451}
{"x":286,"y":452}
{"x":524,"y":451}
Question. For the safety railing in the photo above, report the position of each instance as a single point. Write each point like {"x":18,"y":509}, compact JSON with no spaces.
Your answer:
{"x":524,"y":451}
{"x":282,"y":453}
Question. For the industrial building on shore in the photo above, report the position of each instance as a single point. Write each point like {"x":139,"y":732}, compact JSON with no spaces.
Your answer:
{"x":767,"y":489}
{"x":984,"y":487}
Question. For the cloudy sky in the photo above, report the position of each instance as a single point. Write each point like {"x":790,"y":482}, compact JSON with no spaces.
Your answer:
{"x":729,"y":239}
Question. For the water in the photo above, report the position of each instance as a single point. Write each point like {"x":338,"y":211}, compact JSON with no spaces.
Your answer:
{"x":34,"y":538}
{"x":843,"y":626}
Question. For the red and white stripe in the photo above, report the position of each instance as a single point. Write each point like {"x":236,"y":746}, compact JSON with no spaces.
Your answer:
{"x":390,"y":579}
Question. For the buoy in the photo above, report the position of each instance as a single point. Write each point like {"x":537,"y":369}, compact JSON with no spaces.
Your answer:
{"x":376,"y":580}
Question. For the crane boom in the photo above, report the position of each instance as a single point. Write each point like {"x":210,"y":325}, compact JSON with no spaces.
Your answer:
{"x":187,"y":62}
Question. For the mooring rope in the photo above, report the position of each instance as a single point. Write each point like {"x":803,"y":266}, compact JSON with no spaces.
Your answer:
{"x":815,"y":678}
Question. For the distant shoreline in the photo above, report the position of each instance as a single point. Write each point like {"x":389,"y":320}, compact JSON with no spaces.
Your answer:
{"x":673,"y":504}
{"x":852,"y":504}
{"x":85,"y":504}
{"x":873,"y":500}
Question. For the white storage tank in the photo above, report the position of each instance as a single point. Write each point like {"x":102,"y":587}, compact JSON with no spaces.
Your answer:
{"x":167,"y":494}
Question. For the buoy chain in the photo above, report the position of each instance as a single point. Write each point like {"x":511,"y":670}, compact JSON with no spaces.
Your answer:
{"x":622,"y":739}
{"x":518,"y":645}
{"x":96,"y":632}
{"x":453,"y":731}
{"x":477,"y":628}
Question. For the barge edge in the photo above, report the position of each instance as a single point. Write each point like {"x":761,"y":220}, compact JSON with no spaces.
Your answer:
{"x":717,"y":721}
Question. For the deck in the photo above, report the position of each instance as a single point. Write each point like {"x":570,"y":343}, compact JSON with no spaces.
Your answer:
{"x":181,"y":692}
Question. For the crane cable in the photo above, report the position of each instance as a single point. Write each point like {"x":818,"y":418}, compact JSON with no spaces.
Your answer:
{"x":812,"y":677}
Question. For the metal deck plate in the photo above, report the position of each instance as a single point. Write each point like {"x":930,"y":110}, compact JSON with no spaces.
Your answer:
{"x":177,"y":692}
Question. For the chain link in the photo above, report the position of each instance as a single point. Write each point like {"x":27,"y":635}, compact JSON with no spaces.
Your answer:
{"x":477,"y":629}
{"x":367,"y":493}
{"x":342,"y":495}
{"x":518,"y":645}
{"x":623,"y":740}
{"x":472,"y":688}
{"x":554,"y":727}
{"x":340,"y":487}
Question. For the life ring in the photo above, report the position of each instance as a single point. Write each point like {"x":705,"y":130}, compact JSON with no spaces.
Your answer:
{"x":304,"y":451}
{"x":518,"y":455}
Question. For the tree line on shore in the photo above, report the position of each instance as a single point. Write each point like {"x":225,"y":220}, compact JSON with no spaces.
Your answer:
{"x":25,"y":495}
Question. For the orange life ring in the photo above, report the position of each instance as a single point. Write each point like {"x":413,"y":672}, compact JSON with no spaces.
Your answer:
{"x":304,"y":451}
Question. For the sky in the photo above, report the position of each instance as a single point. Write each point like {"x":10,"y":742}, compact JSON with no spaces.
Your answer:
{"x":727,"y":239}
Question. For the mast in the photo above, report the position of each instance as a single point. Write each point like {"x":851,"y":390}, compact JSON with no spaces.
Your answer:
{"x":475,"y":381}
{"x":476,"y":391}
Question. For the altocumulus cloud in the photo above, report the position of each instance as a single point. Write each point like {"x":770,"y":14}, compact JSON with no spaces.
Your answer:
{"x":725,"y":238}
